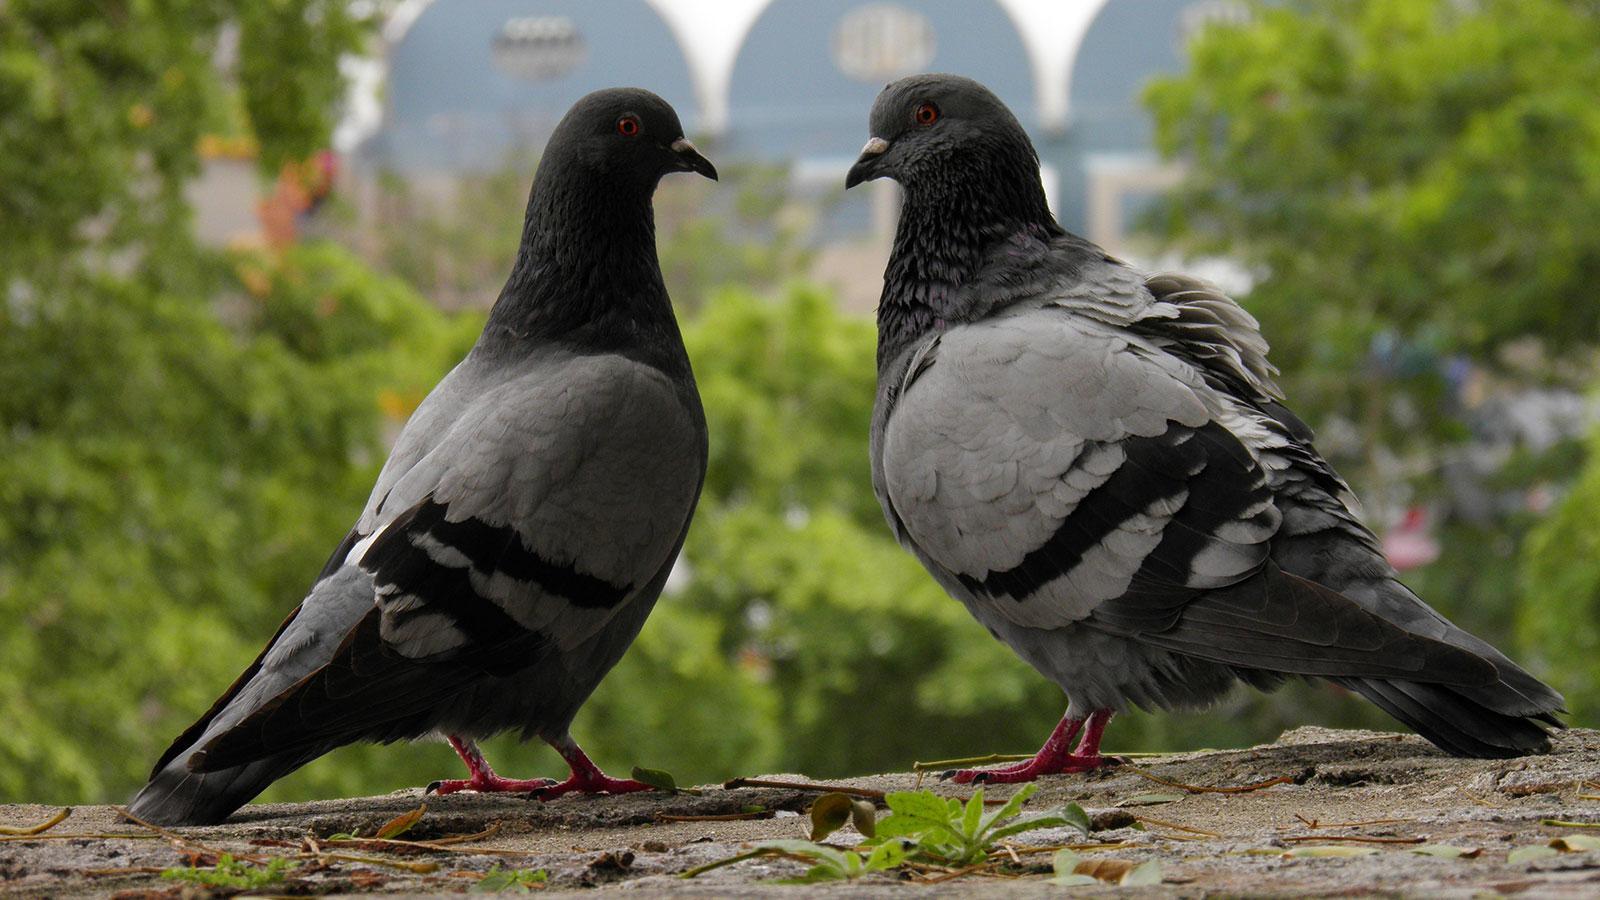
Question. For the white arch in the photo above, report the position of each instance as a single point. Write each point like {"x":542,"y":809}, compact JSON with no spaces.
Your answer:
{"x":1053,"y":31}
{"x":710,"y":32}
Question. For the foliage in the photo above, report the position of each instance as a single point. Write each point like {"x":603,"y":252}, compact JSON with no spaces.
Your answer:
{"x":833,"y":864}
{"x":946,"y":831}
{"x":1561,"y":584}
{"x":921,"y":827}
{"x":1434,"y":166}
{"x":234,"y":873}
{"x":519,"y":881}
{"x":104,"y":110}
{"x":1415,"y":187}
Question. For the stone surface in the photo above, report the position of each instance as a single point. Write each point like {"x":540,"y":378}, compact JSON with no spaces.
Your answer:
{"x":1397,"y":788}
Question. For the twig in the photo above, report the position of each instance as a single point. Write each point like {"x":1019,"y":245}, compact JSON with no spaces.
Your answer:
{"x":1563,"y":824}
{"x":749,"y":854}
{"x":40,"y":828}
{"x":493,"y":828}
{"x":126,"y":870}
{"x":182,"y":842}
{"x":1313,"y":823}
{"x":1165,"y":824}
{"x":1203,"y":789}
{"x":1118,"y":845}
{"x":947,"y":876}
{"x":420,"y":868}
{"x":804,"y":786}
{"x":939,"y":764}
{"x":726,"y":817}
{"x":442,"y":845}
{"x":81,"y":837}
{"x":1354,"y":837}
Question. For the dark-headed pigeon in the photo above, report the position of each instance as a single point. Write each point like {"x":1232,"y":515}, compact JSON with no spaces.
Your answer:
{"x":1099,"y":466}
{"x":521,"y":530}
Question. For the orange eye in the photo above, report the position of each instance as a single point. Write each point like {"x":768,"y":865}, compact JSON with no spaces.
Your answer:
{"x":628,"y":126}
{"x":926,"y":113}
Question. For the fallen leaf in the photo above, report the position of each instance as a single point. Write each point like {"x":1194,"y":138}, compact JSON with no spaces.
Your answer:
{"x":1576,"y":842}
{"x":864,"y":816}
{"x":1150,"y":799}
{"x":1143,"y":875}
{"x":829,"y":814}
{"x":1330,"y":850}
{"x":1109,"y":870}
{"x":656,"y":778}
{"x":1445,"y":851}
{"x":401,"y":824}
{"x":1529,"y":854}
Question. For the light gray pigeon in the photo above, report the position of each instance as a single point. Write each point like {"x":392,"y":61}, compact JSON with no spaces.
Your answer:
{"x":1099,"y":466}
{"x":521,"y":530}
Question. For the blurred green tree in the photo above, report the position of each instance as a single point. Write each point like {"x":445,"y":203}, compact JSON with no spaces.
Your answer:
{"x":1415,"y":186}
{"x":183,"y":433}
{"x":1560,"y":615}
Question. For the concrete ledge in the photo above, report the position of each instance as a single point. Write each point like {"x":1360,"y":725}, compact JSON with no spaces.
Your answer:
{"x":620,"y":843}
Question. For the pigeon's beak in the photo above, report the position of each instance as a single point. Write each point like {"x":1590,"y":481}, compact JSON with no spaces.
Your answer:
{"x":866,"y":168}
{"x":690,"y":160}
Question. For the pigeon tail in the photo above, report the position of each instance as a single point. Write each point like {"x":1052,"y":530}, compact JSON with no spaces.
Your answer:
{"x":1456,"y":724}
{"x":178,"y":796}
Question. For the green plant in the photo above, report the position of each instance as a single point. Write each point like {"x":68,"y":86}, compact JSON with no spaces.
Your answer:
{"x":233,"y":873}
{"x":827,"y":863}
{"x":921,"y":827}
{"x":947,"y":831}
{"x":517,"y":881}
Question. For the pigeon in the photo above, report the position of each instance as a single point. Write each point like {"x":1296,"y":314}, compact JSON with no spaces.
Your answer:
{"x":525,"y":522}
{"x":1099,"y":465}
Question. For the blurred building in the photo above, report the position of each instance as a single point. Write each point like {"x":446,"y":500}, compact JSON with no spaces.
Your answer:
{"x":469,"y":84}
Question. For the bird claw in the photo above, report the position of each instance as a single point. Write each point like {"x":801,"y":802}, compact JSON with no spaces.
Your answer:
{"x":598,"y":783}
{"x":491,"y":784}
{"x":1029,"y":770}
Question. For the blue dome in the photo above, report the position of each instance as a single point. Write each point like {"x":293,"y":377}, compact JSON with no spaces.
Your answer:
{"x":1127,"y":45}
{"x":476,"y":82}
{"x":809,"y":70}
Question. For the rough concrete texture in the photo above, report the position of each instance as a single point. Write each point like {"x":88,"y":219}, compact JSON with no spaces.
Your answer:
{"x":1395,"y":788}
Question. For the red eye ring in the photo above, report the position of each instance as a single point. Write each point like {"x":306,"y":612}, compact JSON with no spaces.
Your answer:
{"x":628,"y":126}
{"x":926,"y":113}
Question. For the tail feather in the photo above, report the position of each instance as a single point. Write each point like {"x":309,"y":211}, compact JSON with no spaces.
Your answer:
{"x":177,"y":796}
{"x":1457,"y":724}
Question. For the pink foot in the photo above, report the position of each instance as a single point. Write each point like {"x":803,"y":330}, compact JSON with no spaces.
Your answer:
{"x":586,"y":777}
{"x":492,"y":784}
{"x":483,"y":779}
{"x":1053,"y":758}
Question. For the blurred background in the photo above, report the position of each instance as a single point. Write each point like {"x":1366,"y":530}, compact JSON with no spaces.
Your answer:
{"x":239,"y":241}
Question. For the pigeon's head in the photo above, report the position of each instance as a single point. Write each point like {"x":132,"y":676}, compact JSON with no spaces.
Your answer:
{"x":626,"y":136}
{"x":936,"y":131}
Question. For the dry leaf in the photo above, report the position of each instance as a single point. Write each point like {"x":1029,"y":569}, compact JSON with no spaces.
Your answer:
{"x":401,"y":824}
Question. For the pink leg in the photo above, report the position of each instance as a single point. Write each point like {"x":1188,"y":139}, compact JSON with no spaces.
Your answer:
{"x":483,"y":779}
{"x":1093,"y":730}
{"x":1053,"y":758}
{"x":586,"y":777}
